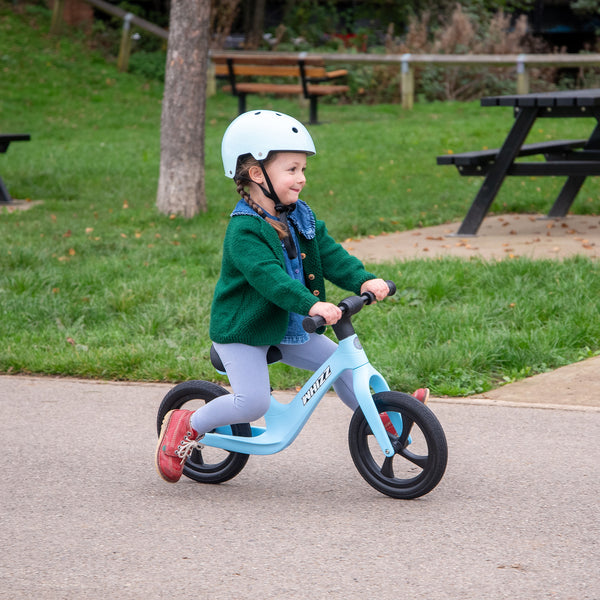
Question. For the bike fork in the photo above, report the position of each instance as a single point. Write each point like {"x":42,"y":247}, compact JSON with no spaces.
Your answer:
{"x":365,"y":379}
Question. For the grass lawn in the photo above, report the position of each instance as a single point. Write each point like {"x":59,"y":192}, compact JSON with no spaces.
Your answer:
{"x":94,"y":282}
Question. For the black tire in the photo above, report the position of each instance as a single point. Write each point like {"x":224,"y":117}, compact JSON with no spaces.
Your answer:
{"x":209,"y":465}
{"x":416,"y":467}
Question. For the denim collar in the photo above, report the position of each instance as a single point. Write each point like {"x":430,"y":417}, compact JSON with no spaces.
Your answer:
{"x":302,"y":217}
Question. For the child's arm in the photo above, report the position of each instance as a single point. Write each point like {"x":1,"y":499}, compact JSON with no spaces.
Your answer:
{"x":339,"y":266}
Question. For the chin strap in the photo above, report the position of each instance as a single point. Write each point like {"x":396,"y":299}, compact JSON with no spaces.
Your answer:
{"x":282,"y":212}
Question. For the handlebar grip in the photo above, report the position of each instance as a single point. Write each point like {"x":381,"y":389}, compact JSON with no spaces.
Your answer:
{"x":392,"y":287}
{"x":311,"y":324}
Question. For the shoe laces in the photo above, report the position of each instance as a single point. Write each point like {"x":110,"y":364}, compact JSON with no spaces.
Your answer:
{"x":187,"y":445}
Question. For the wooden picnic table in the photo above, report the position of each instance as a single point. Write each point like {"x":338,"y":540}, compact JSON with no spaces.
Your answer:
{"x":573,"y":159}
{"x":5,"y":140}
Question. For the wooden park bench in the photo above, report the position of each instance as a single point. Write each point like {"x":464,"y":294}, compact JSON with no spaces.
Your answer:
{"x":246,"y":74}
{"x":5,"y":140}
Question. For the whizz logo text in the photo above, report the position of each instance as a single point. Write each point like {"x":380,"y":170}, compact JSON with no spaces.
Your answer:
{"x":317,"y":385}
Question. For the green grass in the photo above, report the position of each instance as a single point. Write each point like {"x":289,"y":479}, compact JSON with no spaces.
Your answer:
{"x":94,"y":282}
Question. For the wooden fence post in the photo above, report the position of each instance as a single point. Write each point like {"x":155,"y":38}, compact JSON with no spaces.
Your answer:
{"x":407,"y":83}
{"x":57,"y":16}
{"x":125,"y":47}
{"x":522,"y":75}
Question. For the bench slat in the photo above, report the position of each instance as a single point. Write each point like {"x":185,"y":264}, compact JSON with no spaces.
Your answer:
{"x":287,"y":88}
{"x":222,"y":70}
{"x":260,"y":70}
{"x":257,"y":59}
{"x":555,"y":168}
{"x":482,"y":157}
{"x":7,"y":138}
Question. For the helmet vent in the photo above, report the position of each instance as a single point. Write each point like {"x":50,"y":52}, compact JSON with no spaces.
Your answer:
{"x":295,"y":129}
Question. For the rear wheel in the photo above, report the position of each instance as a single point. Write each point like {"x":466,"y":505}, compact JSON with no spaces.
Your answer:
{"x":421,"y":451}
{"x":209,"y":465}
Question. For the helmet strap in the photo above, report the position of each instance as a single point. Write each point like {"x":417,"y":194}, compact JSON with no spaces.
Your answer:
{"x":270,"y":192}
{"x":282,"y":211}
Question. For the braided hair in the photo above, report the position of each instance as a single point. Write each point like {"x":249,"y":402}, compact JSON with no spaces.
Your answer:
{"x":242,"y":179}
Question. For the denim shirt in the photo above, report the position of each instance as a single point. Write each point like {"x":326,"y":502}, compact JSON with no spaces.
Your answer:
{"x":303,"y":220}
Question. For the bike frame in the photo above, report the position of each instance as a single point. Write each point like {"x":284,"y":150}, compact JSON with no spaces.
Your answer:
{"x":283,"y":422}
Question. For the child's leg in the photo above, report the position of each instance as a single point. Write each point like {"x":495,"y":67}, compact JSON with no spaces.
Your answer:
{"x":311,"y":356}
{"x":248,"y":375}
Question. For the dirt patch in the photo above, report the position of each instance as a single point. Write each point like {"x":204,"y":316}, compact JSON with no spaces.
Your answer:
{"x":499,"y":237}
{"x":19,"y":205}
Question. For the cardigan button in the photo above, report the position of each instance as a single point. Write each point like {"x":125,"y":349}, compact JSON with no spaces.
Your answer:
{"x":302,"y":255}
{"x":311,"y":277}
{"x":316,"y":292}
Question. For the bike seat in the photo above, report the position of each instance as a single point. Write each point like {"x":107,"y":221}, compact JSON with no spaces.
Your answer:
{"x":273,"y":356}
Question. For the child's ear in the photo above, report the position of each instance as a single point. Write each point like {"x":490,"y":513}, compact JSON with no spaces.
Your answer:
{"x":256,"y":174}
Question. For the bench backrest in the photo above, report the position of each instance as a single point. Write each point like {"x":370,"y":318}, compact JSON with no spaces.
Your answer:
{"x":269,"y":66}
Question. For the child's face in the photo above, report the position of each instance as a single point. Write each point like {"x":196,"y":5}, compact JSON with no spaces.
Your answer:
{"x":286,"y":172}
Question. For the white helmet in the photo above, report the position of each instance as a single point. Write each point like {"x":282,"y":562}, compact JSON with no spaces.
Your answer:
{"x":259,"y":132}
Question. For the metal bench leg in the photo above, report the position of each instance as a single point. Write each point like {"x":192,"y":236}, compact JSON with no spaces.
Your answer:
{"x":313,"y":111}
{"x":241,"y":103}
{"x":493,"y":180}
{"x":5,"y":197}
{"x":565,"y":199}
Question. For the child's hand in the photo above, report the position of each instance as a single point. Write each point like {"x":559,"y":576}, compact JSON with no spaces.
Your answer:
{"x":376,"y":286}
{"x":330,"y":312}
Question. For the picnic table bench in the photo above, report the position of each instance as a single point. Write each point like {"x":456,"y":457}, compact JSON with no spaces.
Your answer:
{"x":574,"y":159}
{"x":246,"y":74}
{"x":5,"y":140}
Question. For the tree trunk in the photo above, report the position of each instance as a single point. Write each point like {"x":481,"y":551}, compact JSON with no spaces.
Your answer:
{"x":181,"y":178}
{"x":256,"y":25}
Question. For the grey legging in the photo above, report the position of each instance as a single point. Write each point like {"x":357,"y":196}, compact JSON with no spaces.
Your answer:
{"x":248,"y":375}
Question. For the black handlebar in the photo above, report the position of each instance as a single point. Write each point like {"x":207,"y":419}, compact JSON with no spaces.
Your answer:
{"x":311,"y":324}
{"x":350,"y":306}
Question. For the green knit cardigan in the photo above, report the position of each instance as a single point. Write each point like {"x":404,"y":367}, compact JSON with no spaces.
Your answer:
{"x":255,"y":294}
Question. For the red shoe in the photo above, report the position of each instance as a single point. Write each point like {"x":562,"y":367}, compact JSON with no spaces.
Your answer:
{"x":176,"y":442}
{"x":422,"y":395}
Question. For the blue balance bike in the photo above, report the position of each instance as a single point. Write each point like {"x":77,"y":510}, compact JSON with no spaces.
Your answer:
{"x":406,"y":464}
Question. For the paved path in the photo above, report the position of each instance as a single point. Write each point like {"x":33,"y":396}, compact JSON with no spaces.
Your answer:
{"x":500,"y":237}
{"x":84,"y":515}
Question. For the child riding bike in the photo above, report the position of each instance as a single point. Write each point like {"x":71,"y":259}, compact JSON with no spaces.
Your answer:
{"x":276,"y":258}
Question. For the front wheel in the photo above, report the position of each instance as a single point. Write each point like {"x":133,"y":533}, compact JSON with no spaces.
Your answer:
{"x":421,"y":451}
{"x":209,"y":465}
